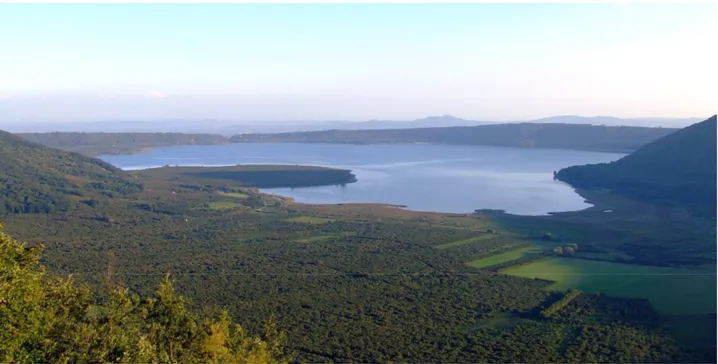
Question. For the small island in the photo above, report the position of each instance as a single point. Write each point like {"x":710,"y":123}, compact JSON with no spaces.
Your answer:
{"x":257,"y":176}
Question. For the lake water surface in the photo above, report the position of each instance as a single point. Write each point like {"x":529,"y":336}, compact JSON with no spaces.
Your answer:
{"x":439,"y":178}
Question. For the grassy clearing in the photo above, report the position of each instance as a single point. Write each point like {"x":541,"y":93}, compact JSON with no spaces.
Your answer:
{"x":671,"y":290}
{"x":310,"y":220}
{"x":503,"y":257}
{"x":234,"y":195}
{"x":223,"y":205}
{"x":465,"y":241}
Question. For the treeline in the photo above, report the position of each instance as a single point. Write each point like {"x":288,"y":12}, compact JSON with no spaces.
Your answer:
{"x":119,"y":143}
{"x":259,"y":176}
{"x":563,"y":302}
{"x":606,"y":309}
{"x":524,"y":135}
{"x":49,"y":320}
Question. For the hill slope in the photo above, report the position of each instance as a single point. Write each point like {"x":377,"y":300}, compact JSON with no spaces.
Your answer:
{"x":34,"y":178}
{"x":119,"y":143}
{"x":679,"y":168}
{"x":524,"y":135}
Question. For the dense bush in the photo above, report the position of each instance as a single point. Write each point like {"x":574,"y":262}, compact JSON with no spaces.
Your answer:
{"x":45,"y":319}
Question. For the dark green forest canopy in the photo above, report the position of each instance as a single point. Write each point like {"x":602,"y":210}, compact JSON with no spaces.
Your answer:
{"x":524,"y":135}
{"x":678,"y":169}
{"x":260,"y":176}
{"x":349,"y":289}
{"x":119,"y":143}
{"x":34,"y":178}
{"x":46,"y":319}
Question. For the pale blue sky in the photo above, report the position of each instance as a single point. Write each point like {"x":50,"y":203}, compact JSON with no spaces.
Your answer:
{"x":343,"y":61}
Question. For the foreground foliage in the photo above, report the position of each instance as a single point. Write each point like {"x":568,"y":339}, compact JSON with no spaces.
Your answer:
{"x":44,"y":319}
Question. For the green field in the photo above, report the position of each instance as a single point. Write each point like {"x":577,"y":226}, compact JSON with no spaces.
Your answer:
{"x":670,"y":290}
{"x":223,"y":205}
{"x":234,"y":194}
{"x":465,"y":241}
{"x":503,"y":257}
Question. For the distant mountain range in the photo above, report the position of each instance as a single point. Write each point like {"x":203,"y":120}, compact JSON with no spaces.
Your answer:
{"x":229,"y":128}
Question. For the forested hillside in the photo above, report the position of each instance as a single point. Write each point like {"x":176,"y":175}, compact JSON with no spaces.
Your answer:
{"x":35,"y":178}
{"x":678,"y":168}
{"x":119,"y":143}
{"x":524,"y":135}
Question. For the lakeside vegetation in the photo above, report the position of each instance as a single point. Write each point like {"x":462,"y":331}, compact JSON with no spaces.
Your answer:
{"x":522,"y":135}
{"x":259,"y":176}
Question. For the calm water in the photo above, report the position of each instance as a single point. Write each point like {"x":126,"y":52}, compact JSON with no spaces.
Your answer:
{"x":423,"y":177}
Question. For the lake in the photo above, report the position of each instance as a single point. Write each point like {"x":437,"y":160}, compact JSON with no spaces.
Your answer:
{"x":442,"y":178}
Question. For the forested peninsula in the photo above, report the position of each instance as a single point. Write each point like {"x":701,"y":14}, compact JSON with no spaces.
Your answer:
{"x":259,"y":176}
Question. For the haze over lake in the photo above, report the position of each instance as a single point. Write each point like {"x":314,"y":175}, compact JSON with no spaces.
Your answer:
{"x":440,"y":178}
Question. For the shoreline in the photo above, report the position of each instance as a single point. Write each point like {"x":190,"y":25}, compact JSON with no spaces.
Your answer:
{"x":141,"y":150}
{"x":480,"y":213}
{"x":288,"y":200}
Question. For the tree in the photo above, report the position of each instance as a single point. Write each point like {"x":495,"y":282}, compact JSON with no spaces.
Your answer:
{"x":46,"y":319}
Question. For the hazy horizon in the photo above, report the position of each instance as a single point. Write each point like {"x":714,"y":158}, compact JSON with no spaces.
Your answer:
{"x":355,"y":62}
